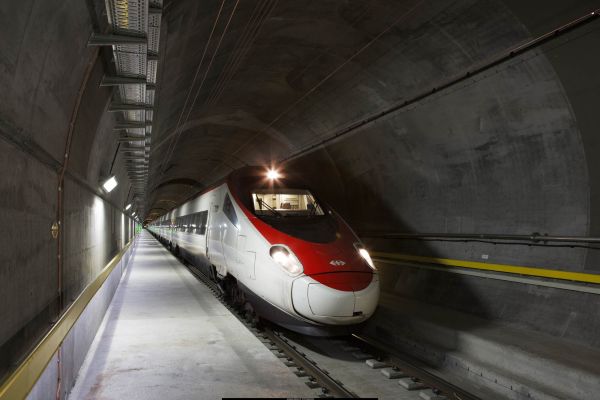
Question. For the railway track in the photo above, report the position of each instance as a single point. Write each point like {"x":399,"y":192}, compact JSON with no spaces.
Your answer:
{"x":414,"y":369}
{"x":317,"y":378}
{"x":292,"y":349}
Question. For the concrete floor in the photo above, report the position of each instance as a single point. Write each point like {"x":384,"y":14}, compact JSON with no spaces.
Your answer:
{"x":166,"y":336}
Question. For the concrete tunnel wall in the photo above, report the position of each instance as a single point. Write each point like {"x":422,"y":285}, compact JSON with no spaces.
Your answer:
{"x":510,"y":151}
{"x":43,"y":62}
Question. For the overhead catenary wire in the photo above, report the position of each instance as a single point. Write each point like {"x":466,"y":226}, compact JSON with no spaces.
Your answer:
{"x":266,"y":9}
{"x":243,"y":44}
{"x":240,"y":43}
{"x":169,"y":155}
{"x":156,"y":145}
{"x":332,"y":73}
{"x":168,"y":136}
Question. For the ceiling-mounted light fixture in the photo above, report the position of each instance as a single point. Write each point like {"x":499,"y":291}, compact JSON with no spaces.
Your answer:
{"x":128,"y":207}
{"x":110,"y":184}
{"x":273,"y":174}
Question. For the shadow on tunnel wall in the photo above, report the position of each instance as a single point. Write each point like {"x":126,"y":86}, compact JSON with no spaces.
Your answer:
{"x":403,"y":287}
{"x":504,"y":152}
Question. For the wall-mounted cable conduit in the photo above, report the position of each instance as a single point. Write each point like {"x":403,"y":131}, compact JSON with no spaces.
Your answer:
{"x":534,"y":237}
{"x":461,"y":77}
{"x":401,"y":259}
{"x":134,"y":39}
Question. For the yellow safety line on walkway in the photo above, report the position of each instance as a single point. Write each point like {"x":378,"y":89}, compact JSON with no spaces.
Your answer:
{"x":21,"y":381}
{"x":510,"y":269}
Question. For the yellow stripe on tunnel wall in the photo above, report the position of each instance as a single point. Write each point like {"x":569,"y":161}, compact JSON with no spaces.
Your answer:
{"x":510,"y":269}
{"x":22,"y":380}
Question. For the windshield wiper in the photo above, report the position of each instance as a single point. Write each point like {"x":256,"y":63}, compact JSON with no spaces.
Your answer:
{"x":269,"y":208}
{"x":313,"y":209}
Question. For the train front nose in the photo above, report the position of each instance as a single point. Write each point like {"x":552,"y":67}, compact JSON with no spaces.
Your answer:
{"x":336,"y":298}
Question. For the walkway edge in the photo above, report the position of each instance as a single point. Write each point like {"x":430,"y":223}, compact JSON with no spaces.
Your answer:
{"x":20,"y":383}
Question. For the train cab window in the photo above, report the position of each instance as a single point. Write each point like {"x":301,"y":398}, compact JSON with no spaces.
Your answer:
{"x":285,"y":202}
{"x":229,"y":211}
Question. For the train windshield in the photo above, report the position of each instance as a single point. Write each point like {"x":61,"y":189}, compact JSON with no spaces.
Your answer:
{"x":284,"y":202}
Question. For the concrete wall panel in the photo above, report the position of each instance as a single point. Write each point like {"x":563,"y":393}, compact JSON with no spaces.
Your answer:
{"x":42,"y":59}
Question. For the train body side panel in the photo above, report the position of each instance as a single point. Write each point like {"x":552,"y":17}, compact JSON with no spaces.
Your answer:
{"x":215,"y":230}
{"x":248,"y":260}
{"x":235,"y":246}
{"x":190,"y":241}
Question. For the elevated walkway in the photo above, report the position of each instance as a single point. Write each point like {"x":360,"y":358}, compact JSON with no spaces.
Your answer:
{"x":165,"y":335}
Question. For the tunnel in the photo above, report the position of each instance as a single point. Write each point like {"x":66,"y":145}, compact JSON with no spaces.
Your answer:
{"x":393,"y":199}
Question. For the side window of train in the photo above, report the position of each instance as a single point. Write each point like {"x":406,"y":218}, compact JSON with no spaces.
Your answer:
{"x":202,"y":223}
{"x":229,"y":210}
{"x":194,"y":223}
{"x":191,"y":222}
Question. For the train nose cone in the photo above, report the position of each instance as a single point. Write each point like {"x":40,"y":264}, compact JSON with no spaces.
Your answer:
{"x":326,"y":302}
{"x":322,"y":303}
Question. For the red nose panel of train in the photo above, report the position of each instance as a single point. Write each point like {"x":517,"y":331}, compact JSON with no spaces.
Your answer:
{"x":337,"y":264}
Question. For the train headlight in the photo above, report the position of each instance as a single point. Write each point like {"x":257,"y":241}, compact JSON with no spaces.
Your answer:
{"x":365,"y":255}
{"x":286,"y":259}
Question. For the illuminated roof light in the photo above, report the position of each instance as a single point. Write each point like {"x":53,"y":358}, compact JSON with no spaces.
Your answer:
{"x":128,"y":207}
{"x":272,"y":174}
{"x":110,"y":184}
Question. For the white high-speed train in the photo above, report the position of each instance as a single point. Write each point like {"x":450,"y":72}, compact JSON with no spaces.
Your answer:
{"x":270,"y":242}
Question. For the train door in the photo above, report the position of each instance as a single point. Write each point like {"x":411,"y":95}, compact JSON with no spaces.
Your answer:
{"x":230,"y":235}
{"x":214,"y":232}
{"x":245,"y":258}
{"x":239,"y":259}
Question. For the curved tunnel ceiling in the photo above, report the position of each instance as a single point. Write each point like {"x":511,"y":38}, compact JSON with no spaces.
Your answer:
{"x":254,"y":82}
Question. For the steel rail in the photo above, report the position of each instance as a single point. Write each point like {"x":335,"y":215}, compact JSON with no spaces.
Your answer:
{"x":413,"y":367}
{"x":323,"y":378}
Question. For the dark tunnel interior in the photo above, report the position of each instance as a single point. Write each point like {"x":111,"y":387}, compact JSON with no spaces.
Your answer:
{"x":407,"y":117}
